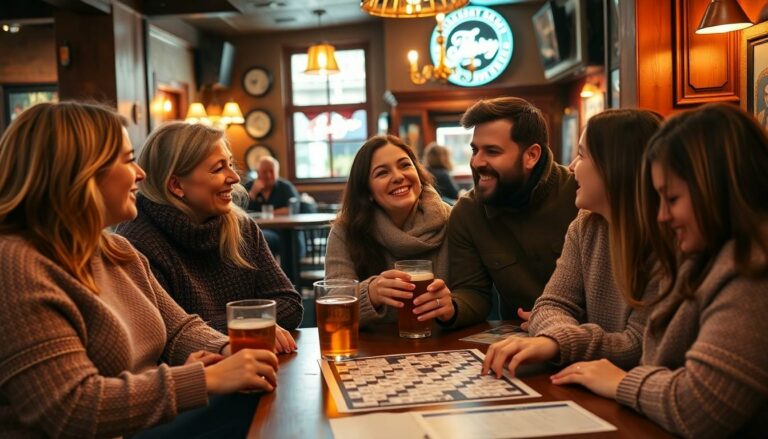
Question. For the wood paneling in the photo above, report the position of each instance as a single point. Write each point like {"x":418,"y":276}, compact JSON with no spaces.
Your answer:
{"x":706,"y":66}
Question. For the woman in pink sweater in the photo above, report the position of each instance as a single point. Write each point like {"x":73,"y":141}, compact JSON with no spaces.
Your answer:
{"x":92,"y":346}
{"x":704,"y":368}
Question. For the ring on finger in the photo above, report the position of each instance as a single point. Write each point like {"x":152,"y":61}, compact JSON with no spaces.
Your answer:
{"x":438,"y":302}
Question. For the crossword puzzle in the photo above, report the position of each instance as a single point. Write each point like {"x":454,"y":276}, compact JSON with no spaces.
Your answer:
{"x":418,"y":379}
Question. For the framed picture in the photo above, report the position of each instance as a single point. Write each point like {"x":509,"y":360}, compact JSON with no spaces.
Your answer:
{"x":754,"y":68}
{"x":570,"y":136}
{"x":253,"y":154}
{"x":19,"y":98}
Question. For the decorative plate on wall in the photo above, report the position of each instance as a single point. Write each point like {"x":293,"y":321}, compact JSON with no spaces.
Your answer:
{"x":254,"y":153}
{"x":258,"y":124}
{"x":257,"y":81}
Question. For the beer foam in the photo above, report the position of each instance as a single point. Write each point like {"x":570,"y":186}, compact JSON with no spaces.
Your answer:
{"x":336,"y":300}
{"x":421,"y":275}
{"x":250,"y":323}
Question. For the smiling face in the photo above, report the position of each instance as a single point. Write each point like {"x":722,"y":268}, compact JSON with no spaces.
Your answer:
{"x":118,"y":185}
{"x":394,"y":181}
{"x":676,"y":209}
{"x":207,"y":190}
{"x":591,"y":194}
{"x":497,"y":161}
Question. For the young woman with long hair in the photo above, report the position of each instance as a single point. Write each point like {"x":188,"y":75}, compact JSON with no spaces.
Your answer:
{"x":389,"y":212}
{"x":581,"y":314}
{"x":704,"y":368}
{"x":202,"y":247}
{"x":91,"y":343}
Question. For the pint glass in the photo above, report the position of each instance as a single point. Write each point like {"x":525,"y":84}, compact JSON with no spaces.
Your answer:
{"x":251,"y":324}
{"x":421,"y":276}
{"x":338,"y":317}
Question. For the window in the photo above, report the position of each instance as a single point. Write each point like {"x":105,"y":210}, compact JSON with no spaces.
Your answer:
{"x":328,"y":116}
{"x":457,"y":139}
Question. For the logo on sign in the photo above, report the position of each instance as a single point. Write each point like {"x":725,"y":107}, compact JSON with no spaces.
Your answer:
{"x":477,"y":36}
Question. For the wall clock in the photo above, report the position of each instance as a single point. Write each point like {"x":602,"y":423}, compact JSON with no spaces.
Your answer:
{"x":254,"y":153}
{"x":258,"y":124}
{"x":257,"y":81}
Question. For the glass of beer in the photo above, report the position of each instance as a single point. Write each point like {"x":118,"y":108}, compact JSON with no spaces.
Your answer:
{"x":251,"y":324}
{"x":421,"y":276}
{"x":338,"y":317}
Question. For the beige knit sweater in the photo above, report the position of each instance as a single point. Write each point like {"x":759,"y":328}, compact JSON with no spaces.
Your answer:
{"x":581,"y":307}
{"x":77,"y":364}
{"x":705,"y":372}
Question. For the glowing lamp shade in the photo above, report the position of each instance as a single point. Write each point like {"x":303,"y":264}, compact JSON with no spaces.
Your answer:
{"x":410,"y":8}
{"x":723,"y":16}
{"x":196,"y":113}
{"x":321,"y":59}
{"x":231,"y":114}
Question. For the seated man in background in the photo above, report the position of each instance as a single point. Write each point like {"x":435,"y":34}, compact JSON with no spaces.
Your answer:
{"x":268,"y":188}
{"x":509,"y":230}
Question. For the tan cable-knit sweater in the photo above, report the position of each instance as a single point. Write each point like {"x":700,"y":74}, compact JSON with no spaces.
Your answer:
{"x":581,"y":308}
{"x":77,"y":364}
{"x":705,"y":372}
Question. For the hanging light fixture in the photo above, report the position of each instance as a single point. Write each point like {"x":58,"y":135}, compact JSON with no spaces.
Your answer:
{"x":723,"y":16}
{"x":410,"y":8}
{"x":439,"y":72}
{"x":321,"y":57}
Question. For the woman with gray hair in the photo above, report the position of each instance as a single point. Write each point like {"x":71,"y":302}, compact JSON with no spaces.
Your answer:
{"x":202,"y":247}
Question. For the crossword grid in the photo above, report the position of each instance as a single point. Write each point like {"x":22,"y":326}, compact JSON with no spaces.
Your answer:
{"x":408,"y":380}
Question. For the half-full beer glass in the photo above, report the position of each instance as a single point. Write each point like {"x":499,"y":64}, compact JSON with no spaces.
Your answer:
{"x":421,"y":276}
{"x":338,"y":317}
{"x":251,"y":324}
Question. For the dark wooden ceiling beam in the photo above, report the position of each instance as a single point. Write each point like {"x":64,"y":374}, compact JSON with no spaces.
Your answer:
{"x":83,"y":6}
{"x":15,"y":9}
{"x":181,"y":7}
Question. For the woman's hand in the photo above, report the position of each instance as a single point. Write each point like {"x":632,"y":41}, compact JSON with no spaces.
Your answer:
{"x":389,"y":287}
{"x":205,"y":357}
{"x":601,"y":376}
{"x":284,"y":342}
{"x":435,"y":303}
{"x":524,"y":316}
{"x":518,"y":351}
{"x":248,"y":369}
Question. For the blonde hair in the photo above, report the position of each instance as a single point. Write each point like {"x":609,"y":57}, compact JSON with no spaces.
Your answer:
{"x":437,"y":157}
{"x":176,"y":148}
{"x":50,"y":157}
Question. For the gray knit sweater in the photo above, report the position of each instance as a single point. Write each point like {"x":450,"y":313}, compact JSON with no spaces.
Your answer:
{"x":581,"y":307}
{"x":77,"y":364}
{"x":185,"y":258}
{"x":704,"y":373}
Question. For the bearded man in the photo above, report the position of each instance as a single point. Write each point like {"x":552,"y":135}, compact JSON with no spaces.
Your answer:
{"x":508,"y":231}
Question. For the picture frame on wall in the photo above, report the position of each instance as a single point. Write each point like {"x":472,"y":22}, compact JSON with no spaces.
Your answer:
{"x":570,"y":136}
{"x":754,"y":68}
{"x":18,"y":98}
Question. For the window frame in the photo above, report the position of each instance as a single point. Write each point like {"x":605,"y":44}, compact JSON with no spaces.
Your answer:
{"x":290,"y":108}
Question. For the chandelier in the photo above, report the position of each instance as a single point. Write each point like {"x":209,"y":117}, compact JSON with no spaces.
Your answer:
{"x":439,"y":72}
{"x":410,"y":8}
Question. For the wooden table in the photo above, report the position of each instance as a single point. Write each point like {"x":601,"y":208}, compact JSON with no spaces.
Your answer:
{"x":300,"y":406}
{"x":292,"y":224}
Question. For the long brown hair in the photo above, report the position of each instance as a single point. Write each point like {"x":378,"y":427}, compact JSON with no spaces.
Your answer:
{"x":616,"y":141}
{"x":50,"y":157}
{"x":176,"y":148}
{"x":722,"y":154}
{"x":358,"y":207}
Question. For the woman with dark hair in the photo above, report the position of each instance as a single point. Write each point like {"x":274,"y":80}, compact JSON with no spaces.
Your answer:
{"x":704,"y":198}
{"x":438,"y":161}
{"x":92,"y":346}
{"x":581,"y":314}
{"x":390,"y":212}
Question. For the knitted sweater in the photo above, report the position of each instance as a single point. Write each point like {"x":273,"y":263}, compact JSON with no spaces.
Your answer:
{"x":422,"y":237}
{"x":581,"y":308}
{"x":704,"y":373}
{"x":185,"y":258}
{"x":77,"y":364}
{"x":513,"y":249}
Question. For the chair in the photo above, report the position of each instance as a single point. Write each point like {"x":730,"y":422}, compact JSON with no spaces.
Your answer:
{"x":312,"y":264}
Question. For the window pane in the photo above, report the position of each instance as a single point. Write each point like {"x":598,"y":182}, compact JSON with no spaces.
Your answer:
{"x":457,"y":140}
{"x":343,"y":154}
{"x":310,"y":126}
{"x":312,"y":160}
{"x":349,"y":125}
{"x":346,"y":87}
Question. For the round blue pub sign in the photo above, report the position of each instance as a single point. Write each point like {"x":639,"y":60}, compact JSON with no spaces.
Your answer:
{"x":474,"y":35}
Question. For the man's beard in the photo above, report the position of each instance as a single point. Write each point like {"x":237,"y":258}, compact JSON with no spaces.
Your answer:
{"x":506,"y":186}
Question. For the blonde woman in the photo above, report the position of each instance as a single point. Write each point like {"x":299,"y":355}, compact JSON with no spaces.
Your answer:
{"x":203,"y":249}
{"x":91,"y":344}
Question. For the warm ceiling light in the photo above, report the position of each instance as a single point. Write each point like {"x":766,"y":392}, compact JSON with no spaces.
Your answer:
{"x":410,"y":8}
{"x":589,"y":90}
{"x":321,"y":57}
{"x":723,"y":16}
{"x":231,"y":114}
{"x":196,"y":114}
